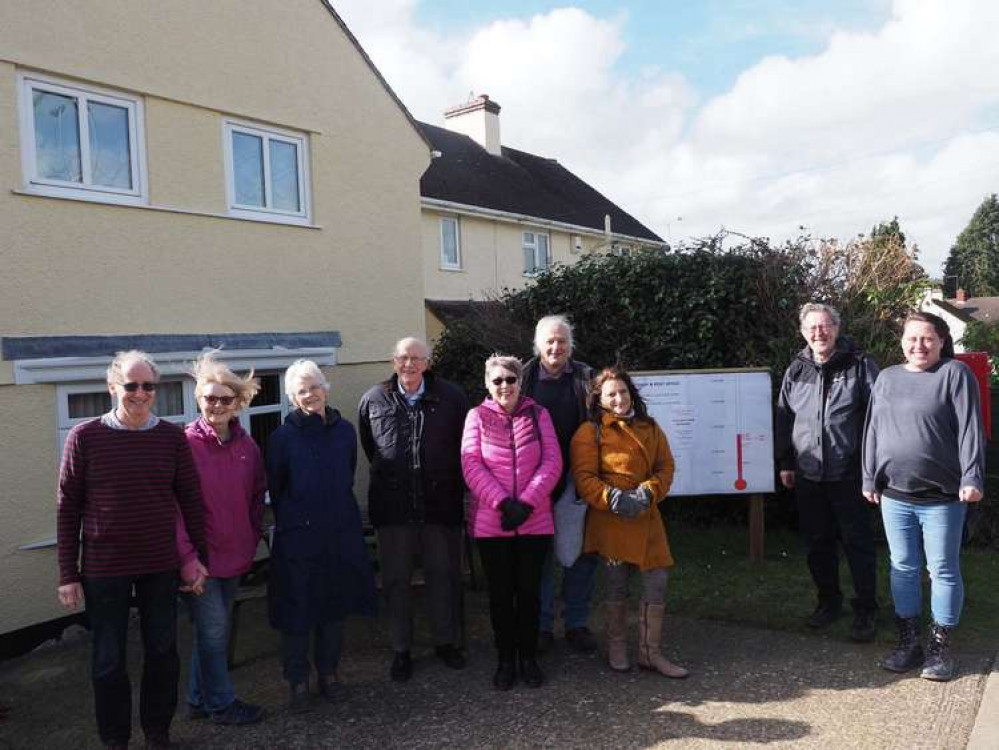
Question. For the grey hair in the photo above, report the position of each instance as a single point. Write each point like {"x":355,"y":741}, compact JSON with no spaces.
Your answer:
{"x":122,"y":359}
{"x":303,"y":369}
{"x":817,"y":307}
{"x":208,"y":370}
{"x":403,"y":344}
{"x":550,"y":321}
{"x":505,"y":362}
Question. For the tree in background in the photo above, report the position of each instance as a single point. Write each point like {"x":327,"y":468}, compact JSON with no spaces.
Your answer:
{"x":973,"y":263}
{"x":984,"y":337}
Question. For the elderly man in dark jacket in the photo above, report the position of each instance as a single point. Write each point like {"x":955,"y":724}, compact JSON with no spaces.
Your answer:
{"x":410,"y":427}
{"x":819,"y":428}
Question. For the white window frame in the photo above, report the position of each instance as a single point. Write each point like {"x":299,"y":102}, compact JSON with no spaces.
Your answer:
{"x":266,"y":212}
{"x":86,"y":190}
{"x":444,"y":264}
{"x":533,"y":245}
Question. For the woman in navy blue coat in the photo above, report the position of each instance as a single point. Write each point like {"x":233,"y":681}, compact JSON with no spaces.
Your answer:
{"x":320,"y":570}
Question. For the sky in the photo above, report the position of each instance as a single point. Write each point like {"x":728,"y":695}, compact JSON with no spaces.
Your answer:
{"x":765,"y":117}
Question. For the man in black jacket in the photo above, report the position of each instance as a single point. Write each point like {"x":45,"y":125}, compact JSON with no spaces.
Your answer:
{"x":410,"y":428}
{"x":819,"y":429}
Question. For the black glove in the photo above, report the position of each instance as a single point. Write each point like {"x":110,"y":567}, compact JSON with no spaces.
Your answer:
{"x":628,"y":503}
{"x":514,"y":513}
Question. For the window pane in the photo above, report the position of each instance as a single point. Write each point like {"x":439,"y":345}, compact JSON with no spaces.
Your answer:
{"x":529,"y":266}
{"x":248,"y":169}
{"x":57,"y":137}
{"x":449,"y":242}
{"x":544,"y":260}
{"x":261,"y":427}
{"x":110,"y":155}
{"x":169,"y":399}
{"x":269,"y":393}
{"x":284,"y":175}
{"x":84,"y":405}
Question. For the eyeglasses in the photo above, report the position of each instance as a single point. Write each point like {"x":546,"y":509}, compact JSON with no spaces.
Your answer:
{"x":224,"y":400}
{"x":409,"y":360}
{"x":821,"y":327}
{"x":509,"y":380}
{"x":133,"y":387}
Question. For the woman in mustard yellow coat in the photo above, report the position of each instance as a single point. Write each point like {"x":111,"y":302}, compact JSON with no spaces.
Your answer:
{"x":623,"y":468}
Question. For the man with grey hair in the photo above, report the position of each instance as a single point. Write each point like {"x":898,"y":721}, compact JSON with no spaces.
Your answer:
{"x":561,"y":384}
{"x":410,"y":427}
{"x":819,"y":429}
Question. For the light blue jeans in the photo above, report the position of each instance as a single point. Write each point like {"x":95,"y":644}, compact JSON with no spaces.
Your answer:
{"x":930,"y":534}
{"x":210,"y":686}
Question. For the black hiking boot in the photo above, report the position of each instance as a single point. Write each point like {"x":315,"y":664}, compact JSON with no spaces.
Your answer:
{"x":908,"y":654}
{"x":939,"y":665}
{"x":826,"y":613}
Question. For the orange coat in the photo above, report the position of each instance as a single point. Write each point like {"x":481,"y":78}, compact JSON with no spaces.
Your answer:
{"x":631,"y":453}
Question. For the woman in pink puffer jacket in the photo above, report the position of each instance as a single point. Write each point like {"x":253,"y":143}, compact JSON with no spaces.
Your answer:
{"x":511,"y":460}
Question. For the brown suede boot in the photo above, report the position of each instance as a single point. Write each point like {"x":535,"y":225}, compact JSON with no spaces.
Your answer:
{"x":650,"y":626}
{"x":617,"y":636}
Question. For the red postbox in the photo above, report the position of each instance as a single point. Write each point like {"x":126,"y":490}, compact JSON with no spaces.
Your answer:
{"x":980,"y":366}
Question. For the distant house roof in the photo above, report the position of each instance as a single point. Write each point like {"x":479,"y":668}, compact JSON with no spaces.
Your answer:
{"x":519,"y":182}
{"x":984,"y":309}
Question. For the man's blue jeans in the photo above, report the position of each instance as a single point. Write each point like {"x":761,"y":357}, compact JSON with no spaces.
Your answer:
{"x":577,"y":591}
{"x":930,"y":533}
{"x":210,"y":686}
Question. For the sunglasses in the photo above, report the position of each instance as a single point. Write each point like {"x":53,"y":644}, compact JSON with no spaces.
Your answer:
{"x":133,"y":387}
{"x":224,"y":400}
{"x":509,"y":380}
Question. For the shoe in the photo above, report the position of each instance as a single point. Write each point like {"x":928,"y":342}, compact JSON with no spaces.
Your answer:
{"x":581,"y":640}
{"x":546,"y":641}
{"x":402,"y":666}
{"x":331,"y":689}
{"x":299,"y":700}
{"x":196,"y":713}
{"x":825,"y":614}
{"x":939,"y":665}
{"x":238,"y":713}
{"x":650,"y":628}
{"x":617,"y":636}
{"x":530,"y":672}
{"x":864,"y":626}
{"x":159,"y":742}
{"x":450,"y":655}
{"x":908,"y":654}
{"x":506,"y":675}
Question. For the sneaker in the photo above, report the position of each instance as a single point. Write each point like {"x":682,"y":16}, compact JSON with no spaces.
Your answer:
{"x":581,"y":640}
{"x":450,"y":655}
{"x":864,"y":626}
{"x":402,"y":666}
{"x":196,"y":713}
{"x":546,"y":641}
{"x":238,"y":713}
{"x":825,"y":614}
{"x":506,"y":675}
{"x":531,"y":673}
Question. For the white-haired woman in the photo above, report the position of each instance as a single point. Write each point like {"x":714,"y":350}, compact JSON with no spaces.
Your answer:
{"x":233,"y":485}
{"x":320,"y":571}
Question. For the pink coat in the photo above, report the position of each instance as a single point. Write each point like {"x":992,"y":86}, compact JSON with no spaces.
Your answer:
{"x":504,"y":455}
{"x":233,"y":484}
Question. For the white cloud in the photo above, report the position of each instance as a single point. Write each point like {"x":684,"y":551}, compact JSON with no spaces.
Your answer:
{"x":893,"y":121}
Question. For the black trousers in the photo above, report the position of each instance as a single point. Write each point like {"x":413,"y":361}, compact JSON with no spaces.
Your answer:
{"x":108,"y":601}
{"x":831,"y":514}
{"x":513,"y":568}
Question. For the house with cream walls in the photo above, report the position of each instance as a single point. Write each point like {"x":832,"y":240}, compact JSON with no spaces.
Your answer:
{"x":495,"y":216}
{"x":179,"y":177}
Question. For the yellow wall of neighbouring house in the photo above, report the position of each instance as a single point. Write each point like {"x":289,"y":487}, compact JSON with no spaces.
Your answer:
{"x":73,"y":268}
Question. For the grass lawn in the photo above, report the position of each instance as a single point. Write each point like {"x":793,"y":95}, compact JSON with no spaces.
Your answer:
{"x":714,"y":580}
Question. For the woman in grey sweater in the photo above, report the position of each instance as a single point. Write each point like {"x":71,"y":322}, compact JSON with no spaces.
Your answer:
{"x":924,"y":461}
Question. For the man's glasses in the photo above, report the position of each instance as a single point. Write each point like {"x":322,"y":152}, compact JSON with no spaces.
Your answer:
{"x":509,"y":380}
{"x":410,"y":360}
{"x":821,"y":327}
{"x":224,"y":400}
{"x":133,"y":387}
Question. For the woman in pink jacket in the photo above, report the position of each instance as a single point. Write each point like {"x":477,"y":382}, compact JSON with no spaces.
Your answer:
{"x":233,"y":484}
{"x":511,"y":460}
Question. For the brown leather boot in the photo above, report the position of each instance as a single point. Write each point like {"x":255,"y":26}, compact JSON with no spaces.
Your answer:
{"x":650,"y":627}
{"x":617,"y":636}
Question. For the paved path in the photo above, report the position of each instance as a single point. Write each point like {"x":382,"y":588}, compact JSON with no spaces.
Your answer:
{"x":749,"y":688}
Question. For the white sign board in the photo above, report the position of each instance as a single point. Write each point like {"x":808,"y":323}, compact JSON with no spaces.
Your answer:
{"x":720,"y":428}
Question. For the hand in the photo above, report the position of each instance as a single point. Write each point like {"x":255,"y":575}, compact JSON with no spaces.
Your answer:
{"x":787,"y":479}
{"x":193,"y":575}
{"x":970,"y":494}
{"x":514,"y":513}
{"x":71,"y":595}
{"x":874,"y":498}
{"x":626,"y":503}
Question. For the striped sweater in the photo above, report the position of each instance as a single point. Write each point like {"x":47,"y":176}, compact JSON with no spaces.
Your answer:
{"x":123,"y":488}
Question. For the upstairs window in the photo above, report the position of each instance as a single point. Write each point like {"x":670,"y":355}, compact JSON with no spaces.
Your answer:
{"x":266,"y":173}
{"x":450,"y":244}
{"x":537,"y":259}
{"x":80,"y":141}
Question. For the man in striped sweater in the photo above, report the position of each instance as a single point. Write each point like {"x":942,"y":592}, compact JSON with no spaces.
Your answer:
{"x":124,"y":475}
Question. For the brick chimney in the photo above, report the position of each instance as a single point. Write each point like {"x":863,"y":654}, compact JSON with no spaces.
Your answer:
{"x":479,"y":120}
{"x":962,"y":295}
